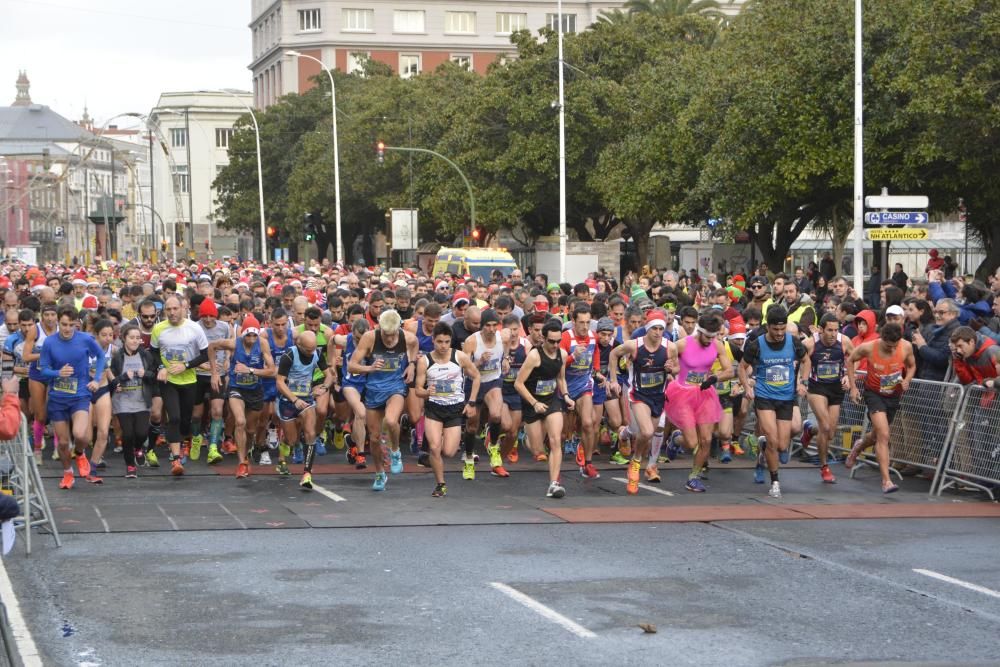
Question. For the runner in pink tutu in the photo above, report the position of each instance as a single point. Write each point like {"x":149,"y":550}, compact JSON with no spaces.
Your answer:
{"x":692,"y":401}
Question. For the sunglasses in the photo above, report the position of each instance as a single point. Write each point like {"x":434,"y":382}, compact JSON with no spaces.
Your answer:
{"x":554,"y":341}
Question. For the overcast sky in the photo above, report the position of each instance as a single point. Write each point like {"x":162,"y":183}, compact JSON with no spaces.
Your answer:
{"x":117,"y":56}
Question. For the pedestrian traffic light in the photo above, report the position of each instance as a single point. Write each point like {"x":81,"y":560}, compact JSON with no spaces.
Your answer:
{"x":380,"y":150}
{"x":272,"y":232}
{"x":310,"y":227}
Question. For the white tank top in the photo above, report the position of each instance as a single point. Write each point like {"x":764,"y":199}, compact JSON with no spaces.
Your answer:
{"x":448,"y":381}
{"x":491,"y":371}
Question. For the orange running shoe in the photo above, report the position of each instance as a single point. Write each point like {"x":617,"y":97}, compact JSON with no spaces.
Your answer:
{"x":581,"y":459}
{"x":652,"y":475}
{"x":94,"y":479}
{"x":737,"y":450}
{"x":228,"y":446}
{"x":185,"y":449}
{"x":632,"y":487}
{"x":499,"y":471}
{"x":176,"y":468}
{"x":512,"y":456}
{"x":541,"y":458}
{"x":243,"y":470}
{"x":82,"y":464}
{"x":67,"y":480}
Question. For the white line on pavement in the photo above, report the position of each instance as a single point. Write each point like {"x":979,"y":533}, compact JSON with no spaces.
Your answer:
{"x":22,"y":636}
{"x":543,"y":611}
{"x":329,"y":494}
{"x":647,"y":487}
{"x":958,"y":582}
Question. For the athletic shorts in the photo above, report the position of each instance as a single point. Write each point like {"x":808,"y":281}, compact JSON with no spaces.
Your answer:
{"x":376,"y":399}
{"x":655,"y":406}
{"x":600,"y":396}
{"x":878,"y":403}
{"x":270,"y":392}
{"x":101,"y":391}
{"x":484,"y":388}
{"x":529,"y":415}
{"x":61,"y":410}
{"x":781,"y":409}
{"x":726,"y":401}
{"x":204,"y":391}
{"x":512,"y":399}
{"x":356,"y":386}
{"x":576,"y":392}
{"x":448,"y":415}
{"x":288,"y":412}
{"x":252,"y":397}
{"x":22,"y":389}
{"x":834,"y":393}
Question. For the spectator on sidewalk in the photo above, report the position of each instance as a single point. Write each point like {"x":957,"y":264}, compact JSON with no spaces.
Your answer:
{"x":10,"y":409}
{"x":934,"y":353}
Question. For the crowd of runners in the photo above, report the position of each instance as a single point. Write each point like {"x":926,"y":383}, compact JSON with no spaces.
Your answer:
{"x":279,"y":364}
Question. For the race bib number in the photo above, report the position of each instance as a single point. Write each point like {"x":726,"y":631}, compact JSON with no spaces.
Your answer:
{"x":511,"y":375}
{"x":583,"y":362}
{"x":649,"y":380}
{"x":246,"y":379}
{"x":545,"y":388}
{"x":300,"y":387}
{"x":172,"y":354}
{"x":888,"y":383}
{"x":778,"y":376}
{"x":828,"y":371}
{"x":695,"y":378}
{"x":492,"y":365}
{"x":131,"y":385}
{"x":444,"y":388}
{"x":391,"y":363}
{"x":725,"y":387}
{"x":65,"y":385}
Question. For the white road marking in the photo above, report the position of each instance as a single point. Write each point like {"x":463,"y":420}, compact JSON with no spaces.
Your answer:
{"x":647,"y":487}
{"x":26,"y":647}
{"x":543,"y":611}
{"x":329,"y":494}
{"x":173,"y":524}
{"x":235,"y":518}
{"x":958,"y":582}
{"x":107,"y":528}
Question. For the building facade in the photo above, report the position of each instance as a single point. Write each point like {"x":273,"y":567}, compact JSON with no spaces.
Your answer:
{"x":192,"y":132}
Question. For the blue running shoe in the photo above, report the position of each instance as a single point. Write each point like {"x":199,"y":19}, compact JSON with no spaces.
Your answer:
{"x":395,"y":462}
{"x":783,"y":456}
{"x":675,"y":445}
{"x":569,"y":447}
{"x":380,"y":480}
{"x":320,"y":447}
{"x":726,"y":456}
{"x":758,"y":474}
{"x":695,"y":485}
{"x":297,"y":456}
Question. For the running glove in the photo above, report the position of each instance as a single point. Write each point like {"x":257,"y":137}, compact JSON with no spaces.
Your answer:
{"x":709,"y":381}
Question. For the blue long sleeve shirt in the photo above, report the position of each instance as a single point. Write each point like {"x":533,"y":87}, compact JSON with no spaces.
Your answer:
{"x":77,"y":352}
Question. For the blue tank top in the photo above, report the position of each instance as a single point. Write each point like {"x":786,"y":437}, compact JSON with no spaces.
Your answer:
{"x":390,"y":377}
{"x":350,"y":378}
{"x":300,"y":375}
{"x":775,"y":372}
{"x":516,"y":361}
{"x":426,"y":341}
{"x":827,"y":362}
{"x":276,"y":353}
{"x":580,"y":370}
{"x":649,"y":375}
{"x":254,"y":359}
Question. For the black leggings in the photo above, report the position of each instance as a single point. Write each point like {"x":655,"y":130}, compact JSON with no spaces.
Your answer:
{"x":178,"y":404}
{"x":133,"y":431}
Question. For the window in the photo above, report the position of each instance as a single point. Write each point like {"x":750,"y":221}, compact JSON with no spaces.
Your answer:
{"x":182,"y":179}
{"x":508,"y":22}
{"x":222,"y":136}
{"x":463,"y":60}
{"x":408,"y":20}
{"x":359,"y":20}
{"x":178,"y":137}
{"x":568,"y":22}
{"x":309,"y":20}
{"x":356,"y":61}
{"x":460,"y":22}
{"x":409,"y":64}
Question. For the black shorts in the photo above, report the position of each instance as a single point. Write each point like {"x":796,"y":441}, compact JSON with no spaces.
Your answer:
{"x":781,"y":409}
{"x":834,"y":393}
{"x":878,"y":403}
{"x":252,"y":397}
{"x":22,"y":390}
{"x":448,"y":415}
{"x":530,"y":416}
{"x":726,"y":401}
{"x":204,"y":391}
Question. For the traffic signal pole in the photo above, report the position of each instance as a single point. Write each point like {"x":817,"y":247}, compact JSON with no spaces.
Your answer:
{"x":468,"y":186}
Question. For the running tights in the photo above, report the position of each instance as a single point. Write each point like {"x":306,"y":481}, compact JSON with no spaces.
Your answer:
{"x":133,"y":432}
{"x":178,"y":404}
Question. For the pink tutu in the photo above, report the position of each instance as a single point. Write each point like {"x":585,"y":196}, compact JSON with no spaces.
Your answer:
{"x":688,"y":405}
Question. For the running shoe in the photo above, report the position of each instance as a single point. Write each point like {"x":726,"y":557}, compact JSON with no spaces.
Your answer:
{"x":440,"y":491}
{"x":618,"y":459}
{"x":94,"y":479}
{"x":297,"y":457}
{"x":55,"y":453}
{"x":395,"y":462}
{"x":272,"y":438}
{"x":152,"y":460}
{"x":775,"y":491}
{"x":196,"y":443}
{"x":140,"y":457}
{"x":555,"y":490}
{"x":541,"y":458}
{"x":737,"y":448}
{"x":284,"y":450}
{"x":424,"y":460}
{"x":827,"y":475}
{"x":753,"y":445}
{"x":762,"y":443}
{"x":675,"y":446}
{"x":662,"y":459}
{"x":414,"y":443}
{"x":570,"y":446}
{"x":39,"y":459}
{"x":758,"y":473}
{"x":727,"y":455}
{"x":493,"y":451}
{"x":100,"y":465}
{"x":265,"y":458}
{"x":590,"y":472}
{"x":228,"y":446}
{"x":695,"y":485}
{"x":808,"y":431}
{"x":632,"y":487}
{"x":67,"y":480}
{"x":338,"y":440}
{"x":320,"y":447}
{"x":185,"y":451}
{"x":242,"y":470}
{"x":118,"y":446}
{"x":889,"y":488}
{"x":852,"y":457}
{"x":352,"y":455}
{"x":468,"y":469}
{"x":176,"y":468}
{"x":82,"y":465}
{"x":380,"y":479}
{"x":307,"y":481}
{"x":581,"y":457}
{"x":214,"y":455}
{"x":652,"y":475}
{"x":499,"y":471}
{"x":783,"y":456}
{"x":360,"y":463}
{"x":131,"y":472}
{"x":512,"y":456}
{"x":283,"y":468}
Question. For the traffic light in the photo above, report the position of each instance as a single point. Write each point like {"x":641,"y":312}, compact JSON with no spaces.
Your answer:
{"x":476,"y":234}
{"x":380,"y":151}
{"x":163,"y":246}
{"x":272,"y":233}
{"x":310,"y":227}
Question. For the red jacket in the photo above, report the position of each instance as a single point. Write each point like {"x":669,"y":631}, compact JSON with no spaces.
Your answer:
{"x":979,"y":367}
{"x":10,"y":417}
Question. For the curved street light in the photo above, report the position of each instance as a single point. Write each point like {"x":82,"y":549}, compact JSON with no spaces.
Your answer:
{"x":260,"y":175}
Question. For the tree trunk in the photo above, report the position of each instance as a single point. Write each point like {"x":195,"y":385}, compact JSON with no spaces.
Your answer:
{"x":839,"y":231}
{"x":991,"y":244}
{"x":639,"y":229}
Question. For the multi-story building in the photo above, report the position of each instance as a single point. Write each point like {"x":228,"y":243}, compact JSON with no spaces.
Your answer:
{"x":409,"y":36}
{"x":193,"y":130}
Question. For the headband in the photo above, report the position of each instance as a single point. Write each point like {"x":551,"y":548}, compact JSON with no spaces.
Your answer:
{"x":706,"y":334}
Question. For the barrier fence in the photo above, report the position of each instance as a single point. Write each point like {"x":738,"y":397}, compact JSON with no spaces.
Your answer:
{"x":19,"y":477}
{"x":974,"y":456}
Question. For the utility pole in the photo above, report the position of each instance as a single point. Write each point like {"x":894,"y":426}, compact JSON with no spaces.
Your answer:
{"x":187,"y":132}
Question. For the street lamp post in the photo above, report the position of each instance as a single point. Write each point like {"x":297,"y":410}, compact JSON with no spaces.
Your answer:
{"x":336,"y":152}
{"x":859,"y":156}
{"x":468,"y":186}
{"x":260,"y":177}
{"x":562,"y":156}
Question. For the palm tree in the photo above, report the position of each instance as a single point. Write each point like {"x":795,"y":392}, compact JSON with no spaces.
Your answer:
{"x":613,"y":16}
{"x":708,"y":8}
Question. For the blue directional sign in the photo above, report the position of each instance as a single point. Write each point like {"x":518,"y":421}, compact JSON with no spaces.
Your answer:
{"x":896,"y":217}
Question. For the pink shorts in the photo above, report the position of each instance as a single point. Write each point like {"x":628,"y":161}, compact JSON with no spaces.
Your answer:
{"x":689,"y":406}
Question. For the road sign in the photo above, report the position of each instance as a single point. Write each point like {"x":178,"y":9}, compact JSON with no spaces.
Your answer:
{"x":896,"y":217}
{"x":897,"y":201}
{"x":897,"y":234}
{"x":58,"y":232}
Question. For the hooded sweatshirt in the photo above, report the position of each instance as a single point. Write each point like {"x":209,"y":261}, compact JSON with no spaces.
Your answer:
{"x":870,"y":319}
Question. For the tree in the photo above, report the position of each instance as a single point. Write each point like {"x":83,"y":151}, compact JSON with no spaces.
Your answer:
{"x":676,"y":8}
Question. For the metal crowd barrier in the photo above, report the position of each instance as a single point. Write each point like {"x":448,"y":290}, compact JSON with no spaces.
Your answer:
{"x":19,"y":477}
{"x":974,"y":457}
